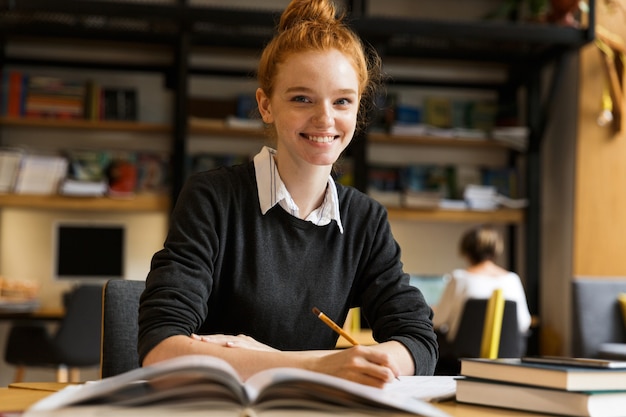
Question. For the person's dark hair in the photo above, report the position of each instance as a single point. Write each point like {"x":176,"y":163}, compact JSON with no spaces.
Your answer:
{"x":315,"y":25}
{"x":480,"y":244}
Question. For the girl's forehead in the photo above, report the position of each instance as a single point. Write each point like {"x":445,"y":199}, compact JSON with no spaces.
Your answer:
{"x":326,"y":63}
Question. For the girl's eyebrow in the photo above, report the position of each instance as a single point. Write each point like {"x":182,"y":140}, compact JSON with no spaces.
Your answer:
{"x":308,"y":90}
{"x":298,"y":90}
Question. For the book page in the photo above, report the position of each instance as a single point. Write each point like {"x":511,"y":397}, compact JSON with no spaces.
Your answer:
{"x":194,"y":376}
{"x":426,"y":388}
{"x":289,"y":387}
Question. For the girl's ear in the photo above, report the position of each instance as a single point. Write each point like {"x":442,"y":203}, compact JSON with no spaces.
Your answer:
{"x":265,"y":107}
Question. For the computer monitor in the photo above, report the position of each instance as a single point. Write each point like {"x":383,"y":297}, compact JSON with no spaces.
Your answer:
{"x":92,"y":252}
{"x":432,"y":286}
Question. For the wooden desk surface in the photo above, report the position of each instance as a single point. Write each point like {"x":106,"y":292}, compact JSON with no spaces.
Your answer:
{"x":18,"y":397}
{"x":43,"y":313}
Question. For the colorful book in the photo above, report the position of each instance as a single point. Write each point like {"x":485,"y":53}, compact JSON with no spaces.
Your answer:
{"x":542,"y":400}
{"x":53,"y":97}
{"x":571,"y":378}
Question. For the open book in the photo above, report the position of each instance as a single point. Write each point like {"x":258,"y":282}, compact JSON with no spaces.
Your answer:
{"x":188,"y":384}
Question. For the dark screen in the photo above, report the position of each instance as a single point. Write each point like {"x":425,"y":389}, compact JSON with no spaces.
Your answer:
{"x":89,"y":252}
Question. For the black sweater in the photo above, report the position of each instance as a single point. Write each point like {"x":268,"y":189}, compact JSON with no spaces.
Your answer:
{"x":226,"y":268}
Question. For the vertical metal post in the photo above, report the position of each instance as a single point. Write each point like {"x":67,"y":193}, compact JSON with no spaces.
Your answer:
{"x":357,"y":8}
{"x":180,"y":73}
{"x":533,"y":212}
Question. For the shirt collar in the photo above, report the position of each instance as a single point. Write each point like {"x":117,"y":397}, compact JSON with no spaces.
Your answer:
{"x":272,"y":191}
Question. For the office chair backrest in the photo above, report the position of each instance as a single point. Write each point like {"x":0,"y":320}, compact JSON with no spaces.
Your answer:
{"x":77,"y":341}
{"x":468,"y":340}
{"x":596,"y":314}
{"x":119,"y":326}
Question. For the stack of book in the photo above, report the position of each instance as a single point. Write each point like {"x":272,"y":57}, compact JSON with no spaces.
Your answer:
{"x":565,"y":386}
{"x":481,"y":197}
{"x":52,"y":97}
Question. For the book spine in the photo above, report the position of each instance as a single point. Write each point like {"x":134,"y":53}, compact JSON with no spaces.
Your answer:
{"x":4,"y":93}
{"x":14,"y":94}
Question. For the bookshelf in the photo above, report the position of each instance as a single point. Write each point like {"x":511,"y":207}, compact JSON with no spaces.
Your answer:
{"x":178,"y":30}
{"x":501,"y":216}
{"x":92,"y":125}
{"x":384,"y":138}
{"x":138,"y":203}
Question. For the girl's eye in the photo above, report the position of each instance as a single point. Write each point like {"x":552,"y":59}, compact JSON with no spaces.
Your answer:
{"x":301,"y":99}
{"x":343,"y":101}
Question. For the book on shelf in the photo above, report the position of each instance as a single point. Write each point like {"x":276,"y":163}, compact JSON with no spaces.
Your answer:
{"x":193,"y":383}
{"x":40,"y":174}
{"x":451,"y":204}
{"x":438,"y":111}
{"x":14,"y":90}
{"x":205,"y":161}
{"x":153,"y":172}
{"x":389,"y":198}
{"x":119,"y":103}
{"x":244,"y":123}
{"x":9,"y":166}
{"x":384,"y":185}
{"x":504,"y":179}
{"x":571,"y":378}
{"x":122,"y":175}
{"x":421,"y":199}
{"x":87,"y":164}
{"x":86,"y":173}
{"x":514,"y":136}
{"x":408,"y":129}
{"x":426,"y":185}
{"x":480,"y":197}
{"x":542,"y":400}
{"x":54,"y":97}
{"x":76,"y":188}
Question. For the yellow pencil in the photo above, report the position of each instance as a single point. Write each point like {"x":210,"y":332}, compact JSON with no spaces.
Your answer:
{"x":334,"y":326}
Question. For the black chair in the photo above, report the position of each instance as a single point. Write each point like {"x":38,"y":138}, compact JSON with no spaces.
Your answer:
{"x":120,"y":326}
{"x":599,"y":330}
{"x":467,"y":343}
{"x":74,"y":345}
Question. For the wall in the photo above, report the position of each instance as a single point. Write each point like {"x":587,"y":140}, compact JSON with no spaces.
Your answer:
{"x":600,"y":200}
{"x":583,"y":195}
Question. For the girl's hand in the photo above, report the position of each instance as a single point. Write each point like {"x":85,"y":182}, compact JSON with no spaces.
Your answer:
{"x":238,"y":341}
{"x":360,"y":364}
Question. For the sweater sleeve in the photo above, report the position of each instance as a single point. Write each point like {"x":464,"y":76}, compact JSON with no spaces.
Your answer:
{"x":394,"y":309}
{"x":178,"y":284}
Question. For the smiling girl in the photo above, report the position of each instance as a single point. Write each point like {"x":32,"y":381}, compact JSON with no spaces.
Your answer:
{"x":253,"y":248}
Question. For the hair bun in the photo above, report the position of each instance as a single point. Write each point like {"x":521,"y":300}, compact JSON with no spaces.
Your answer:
{"x":298,"y":11}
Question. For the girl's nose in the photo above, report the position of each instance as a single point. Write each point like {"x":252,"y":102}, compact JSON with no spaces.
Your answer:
{"x":323,"y":115}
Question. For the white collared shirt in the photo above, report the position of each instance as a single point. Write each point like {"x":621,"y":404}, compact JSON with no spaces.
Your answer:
{"x":272,"y":191}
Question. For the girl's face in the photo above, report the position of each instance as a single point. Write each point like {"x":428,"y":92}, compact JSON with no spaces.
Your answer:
{"x":313,"y":107}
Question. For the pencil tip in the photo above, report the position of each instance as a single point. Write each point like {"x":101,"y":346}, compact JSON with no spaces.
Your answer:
{"x":316,"y":311}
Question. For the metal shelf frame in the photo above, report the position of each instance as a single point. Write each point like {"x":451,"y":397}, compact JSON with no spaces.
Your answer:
{"x":526,"y":48}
